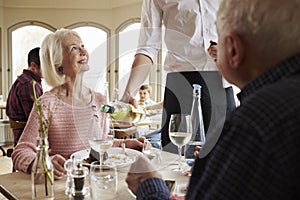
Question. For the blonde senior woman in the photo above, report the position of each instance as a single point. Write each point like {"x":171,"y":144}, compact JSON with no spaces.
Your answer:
{"x":71,"y":105}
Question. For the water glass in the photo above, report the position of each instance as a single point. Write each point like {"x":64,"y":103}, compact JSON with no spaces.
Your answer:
{"x":103,"y":181}
{"x":69,"y":182}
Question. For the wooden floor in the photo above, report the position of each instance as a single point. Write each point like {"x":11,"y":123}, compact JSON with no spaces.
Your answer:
{"x":5,"y":165}
{"x":5,"y":162}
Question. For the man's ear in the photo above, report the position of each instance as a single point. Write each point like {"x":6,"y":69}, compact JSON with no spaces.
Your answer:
{"x":235,"y":50}
{"x":34,"y":65}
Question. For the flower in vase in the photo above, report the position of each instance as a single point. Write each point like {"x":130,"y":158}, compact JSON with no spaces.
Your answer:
{"x":43,"y":130}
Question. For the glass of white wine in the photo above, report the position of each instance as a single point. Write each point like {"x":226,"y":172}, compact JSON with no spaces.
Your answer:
{"x":101,"y":139}
{"x":180,"y":133}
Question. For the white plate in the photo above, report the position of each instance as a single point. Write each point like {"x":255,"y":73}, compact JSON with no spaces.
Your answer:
{"x":115,"y":155}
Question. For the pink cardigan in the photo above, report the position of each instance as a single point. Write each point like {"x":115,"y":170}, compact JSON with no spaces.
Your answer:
{"x":68,"y":131}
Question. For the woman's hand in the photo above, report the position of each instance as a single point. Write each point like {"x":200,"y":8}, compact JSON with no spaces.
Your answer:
{"x":136,"y":144}
{"x":58,"y":163}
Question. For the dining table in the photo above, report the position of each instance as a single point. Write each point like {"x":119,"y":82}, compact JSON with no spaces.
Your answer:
{"x":17,"y":185}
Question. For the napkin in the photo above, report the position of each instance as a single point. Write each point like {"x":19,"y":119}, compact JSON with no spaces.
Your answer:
{"x":142,"y":165}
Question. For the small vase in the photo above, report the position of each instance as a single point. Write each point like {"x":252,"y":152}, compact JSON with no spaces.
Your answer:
{"x":42,"y":177}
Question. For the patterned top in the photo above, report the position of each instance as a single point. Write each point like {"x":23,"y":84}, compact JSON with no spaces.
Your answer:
{"x":20,"y":99}
{"x":68,"y":131}
{"x":257,"y":155}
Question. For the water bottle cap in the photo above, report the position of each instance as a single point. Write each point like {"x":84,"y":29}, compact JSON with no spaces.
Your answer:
{"x":197,"y":86}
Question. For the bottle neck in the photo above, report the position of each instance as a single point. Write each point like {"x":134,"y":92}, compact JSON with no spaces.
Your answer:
{"x":42,"y":143}
{"x":197,"y":93}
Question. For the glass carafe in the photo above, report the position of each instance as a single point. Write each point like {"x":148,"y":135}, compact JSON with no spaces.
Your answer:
{"x":42,"y":177}
{"x":198,"y":134}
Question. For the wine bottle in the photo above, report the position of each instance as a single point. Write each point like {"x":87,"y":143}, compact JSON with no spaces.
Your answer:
{"x":123,"y":112}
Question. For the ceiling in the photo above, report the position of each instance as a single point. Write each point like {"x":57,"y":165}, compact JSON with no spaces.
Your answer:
{"x":72,"y":4}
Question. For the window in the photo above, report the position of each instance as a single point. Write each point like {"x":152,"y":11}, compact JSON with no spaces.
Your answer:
{"x":95,"y":41}
{"x":23,"y":39}
{"x":1,"y":83}
{"x":128,"y":42}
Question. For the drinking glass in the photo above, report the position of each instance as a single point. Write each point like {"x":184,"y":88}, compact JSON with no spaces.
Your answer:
{"x":103,"y":181}
{"x":100,"y":140}
{"x":180,"y":133}
{"x":69,"y":182}
{"x":152,"y":149}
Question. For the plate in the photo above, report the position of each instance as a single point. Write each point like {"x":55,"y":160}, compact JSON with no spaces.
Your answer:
{"x":115,"y":155}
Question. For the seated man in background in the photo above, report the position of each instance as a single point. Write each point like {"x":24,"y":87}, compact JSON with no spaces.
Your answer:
{"x":257,"y":153}
{"x":20,"y":98}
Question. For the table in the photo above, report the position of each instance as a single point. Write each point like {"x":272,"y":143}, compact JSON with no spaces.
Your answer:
{"x":17,"y":185}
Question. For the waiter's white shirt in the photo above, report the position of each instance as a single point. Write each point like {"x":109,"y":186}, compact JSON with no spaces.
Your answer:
{"x":189,"y":27}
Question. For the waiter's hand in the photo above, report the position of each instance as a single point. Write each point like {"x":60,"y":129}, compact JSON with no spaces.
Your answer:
{"x":133,"y":102}
{"x":197,"y":150}
{"x":129,"y":99}
{"x":212,"y":50}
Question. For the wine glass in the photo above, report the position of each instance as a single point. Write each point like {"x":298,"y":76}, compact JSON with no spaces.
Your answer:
{"x":100,"y":139}
{"x":180,"y":133}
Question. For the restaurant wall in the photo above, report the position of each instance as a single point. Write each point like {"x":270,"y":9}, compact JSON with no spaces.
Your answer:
{"x":1,"y":46}
{"x":110,"y":17}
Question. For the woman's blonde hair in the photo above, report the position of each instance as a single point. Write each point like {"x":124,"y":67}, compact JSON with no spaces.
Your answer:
{"x":51,"y":55}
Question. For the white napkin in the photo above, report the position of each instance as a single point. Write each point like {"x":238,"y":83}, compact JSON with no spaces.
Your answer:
{"x":141,"y":165}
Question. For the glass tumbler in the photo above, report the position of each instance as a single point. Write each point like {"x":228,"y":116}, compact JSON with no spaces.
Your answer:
{"x":103,"y":181}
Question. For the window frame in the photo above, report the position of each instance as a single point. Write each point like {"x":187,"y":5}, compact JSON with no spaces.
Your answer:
{"x":108,"y":46}
{"x":9,"y":40}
